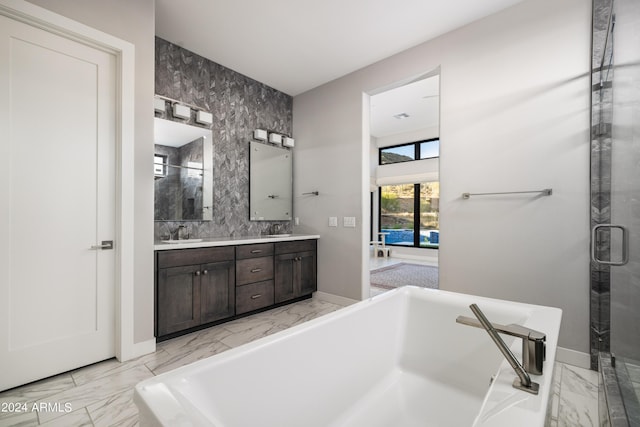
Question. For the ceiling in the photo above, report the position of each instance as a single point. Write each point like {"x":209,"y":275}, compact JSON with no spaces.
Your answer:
{"x":412,"y":107}
{"x":296,"y":45}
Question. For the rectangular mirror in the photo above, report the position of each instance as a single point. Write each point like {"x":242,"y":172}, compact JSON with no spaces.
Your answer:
{"x":183,"y":171}
{"x":270,"y":183}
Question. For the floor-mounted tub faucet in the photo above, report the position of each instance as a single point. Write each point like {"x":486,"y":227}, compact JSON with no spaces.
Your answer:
{"x":533,"y":347}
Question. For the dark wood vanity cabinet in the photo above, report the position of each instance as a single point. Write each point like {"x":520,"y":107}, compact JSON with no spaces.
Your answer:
{"x":295,"y":269}
{"x":254,"y":277}
{"x":194,"y":287}
{"x":202,"y":286}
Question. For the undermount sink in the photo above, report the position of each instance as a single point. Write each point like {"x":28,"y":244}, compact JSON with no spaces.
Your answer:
{"x":183,"y":241}
{"x":277,"y":235}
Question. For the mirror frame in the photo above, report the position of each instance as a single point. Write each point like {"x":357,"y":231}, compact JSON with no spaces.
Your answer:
{"x":171,"y":133}
{"x":270,"y":182}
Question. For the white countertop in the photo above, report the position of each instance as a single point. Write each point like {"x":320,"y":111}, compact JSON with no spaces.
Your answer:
{"x":226,"y":241}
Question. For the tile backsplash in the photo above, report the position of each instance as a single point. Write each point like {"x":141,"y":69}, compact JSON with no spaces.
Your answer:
{"x":239,"y":105}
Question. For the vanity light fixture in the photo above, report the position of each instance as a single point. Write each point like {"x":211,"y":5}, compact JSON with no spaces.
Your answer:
{"x":204,"y":118}
{"x":288,"y":142}
{"x":159,"y":105}
{"x":181,"y":111}
{"x":260,"y":134}
{"x":275,"y":138}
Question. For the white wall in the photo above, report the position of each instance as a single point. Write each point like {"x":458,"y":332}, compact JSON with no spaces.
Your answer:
{"x":133,"y":21}
{"x":514,"y":116}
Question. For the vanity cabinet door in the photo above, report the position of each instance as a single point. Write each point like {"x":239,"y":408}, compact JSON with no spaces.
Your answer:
{"x":295,"y":272}
{"x":284,"y":277}
{"x":307,"y":278}
{"x":217,"y":291}
{"x":178,"y":294}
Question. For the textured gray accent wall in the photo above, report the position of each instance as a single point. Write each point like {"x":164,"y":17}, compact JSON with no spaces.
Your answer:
{"x":239,"y":105}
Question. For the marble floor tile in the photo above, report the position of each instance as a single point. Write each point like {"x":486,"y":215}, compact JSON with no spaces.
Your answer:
{"x":98,"y":370}
{"x":311,"y":310}
{"x":243,"y":336}
{"x":186,"y":356}
{"x":194,"y":339}
{"x":287,"y":315}
{"x":18,"y":419}
{"x":95,"y":391}
{"x":117,"y":410}
{"x":79,"y":418}
{"x":38,"y":390}
{"x":578,"y":404}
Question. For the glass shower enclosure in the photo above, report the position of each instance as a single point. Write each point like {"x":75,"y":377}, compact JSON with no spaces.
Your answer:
{"x":615,"y":209}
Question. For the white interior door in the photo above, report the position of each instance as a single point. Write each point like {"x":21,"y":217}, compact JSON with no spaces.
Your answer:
{"x":57,"y":200}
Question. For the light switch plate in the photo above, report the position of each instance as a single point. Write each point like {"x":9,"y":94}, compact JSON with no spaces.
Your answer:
{"x":333,"y":221}
{"x":349,"y":221}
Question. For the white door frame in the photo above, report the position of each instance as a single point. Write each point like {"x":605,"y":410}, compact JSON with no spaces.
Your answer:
{"x":31,"y":14}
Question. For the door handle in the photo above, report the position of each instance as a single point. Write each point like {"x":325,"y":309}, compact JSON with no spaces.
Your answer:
{"x":104,"y":245}
{"x":625,"y":244}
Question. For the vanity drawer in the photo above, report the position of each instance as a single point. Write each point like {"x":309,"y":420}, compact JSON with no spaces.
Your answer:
{"x":254,"y":270}
{"x":254,"y":251}
{"x":182,"y":257}
{"x":254,"y":296}
{"x":295,"y":246}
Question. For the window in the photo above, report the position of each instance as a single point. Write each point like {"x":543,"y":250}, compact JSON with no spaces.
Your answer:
{"x":430,"y":149}
{"x":409,"y":214}
{"x":420,"y":150}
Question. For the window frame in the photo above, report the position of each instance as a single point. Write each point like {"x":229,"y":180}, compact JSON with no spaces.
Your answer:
{"x":416,"y":151}
{"x":416,"y":218}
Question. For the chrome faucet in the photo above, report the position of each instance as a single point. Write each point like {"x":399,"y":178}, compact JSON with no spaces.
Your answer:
{"x":533,"y":347}
{"x":275,"y":228}
{"x":183,"y":233}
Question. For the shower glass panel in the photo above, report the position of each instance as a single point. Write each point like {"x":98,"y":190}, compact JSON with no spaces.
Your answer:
{"x":625,"y":181}
{"x":615,"y":210}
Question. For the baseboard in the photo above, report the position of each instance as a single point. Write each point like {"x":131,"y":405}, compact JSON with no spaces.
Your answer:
{"x":334,"y":299}
{"x":142,"y":348}
{"x":574,"y":358}
{"x":429,"y":260}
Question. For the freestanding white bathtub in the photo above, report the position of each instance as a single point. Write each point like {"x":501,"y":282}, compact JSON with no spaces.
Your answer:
{"x":398,"y":359}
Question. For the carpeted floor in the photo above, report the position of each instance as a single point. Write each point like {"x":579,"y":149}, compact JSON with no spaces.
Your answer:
{"x":403,"y":273}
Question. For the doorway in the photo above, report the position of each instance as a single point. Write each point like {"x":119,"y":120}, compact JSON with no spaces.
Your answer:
{"x":404,"y":179}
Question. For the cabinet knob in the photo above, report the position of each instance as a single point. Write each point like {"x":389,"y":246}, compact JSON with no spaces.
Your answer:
{"x":197,"y":273}
{"x":256,"y":296}
{"x":256,"y":251}
{"x":256,"y":270}
{"x":205,"y":271}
